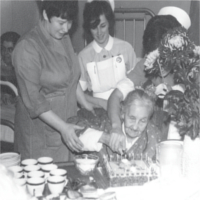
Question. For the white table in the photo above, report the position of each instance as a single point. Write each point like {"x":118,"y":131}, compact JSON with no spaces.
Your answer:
{"x":179,"y":189}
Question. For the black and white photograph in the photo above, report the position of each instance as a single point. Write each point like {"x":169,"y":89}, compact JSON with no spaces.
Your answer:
{"x":100,"y":100}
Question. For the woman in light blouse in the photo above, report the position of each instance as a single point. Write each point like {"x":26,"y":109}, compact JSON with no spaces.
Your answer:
{"x":106,"y":60}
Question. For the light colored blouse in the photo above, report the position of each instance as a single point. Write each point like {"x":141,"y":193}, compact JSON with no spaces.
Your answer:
{"x":103,"y":68}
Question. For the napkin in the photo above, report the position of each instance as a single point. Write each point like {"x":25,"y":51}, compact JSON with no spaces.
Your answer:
{"x":90,"y":139}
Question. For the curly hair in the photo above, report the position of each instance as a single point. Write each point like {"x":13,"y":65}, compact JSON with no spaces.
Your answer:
{"x":10,"y":37}
{"x":91,"y":15}
{"x":155,"y":29}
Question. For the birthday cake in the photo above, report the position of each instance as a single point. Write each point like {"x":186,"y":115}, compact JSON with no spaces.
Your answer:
{"x":124,"y":172}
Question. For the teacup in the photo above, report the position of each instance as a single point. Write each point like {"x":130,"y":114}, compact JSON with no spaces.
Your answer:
{"x":30,"y":168}
{"x":58,"y":172}
{"x":17,"y":171}
{"x":35,"y":186}
{"x":45,"y":160}
{"x":47,"y":168}
{"x":29,"y":162}
{"x":19,"y":175}
{"x":21,"y":182}
{"x":56,"y":184}
{"x":33,"y":174}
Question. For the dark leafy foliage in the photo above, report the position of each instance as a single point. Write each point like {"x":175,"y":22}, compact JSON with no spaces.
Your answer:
{"x":178,"y":53}
{"x":87,"y":119}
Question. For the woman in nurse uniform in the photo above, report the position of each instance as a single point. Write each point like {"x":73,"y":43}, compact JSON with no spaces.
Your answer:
{"x":106,"y":60}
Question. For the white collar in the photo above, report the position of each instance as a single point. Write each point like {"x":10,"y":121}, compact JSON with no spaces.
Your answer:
{"x":108,"y":46}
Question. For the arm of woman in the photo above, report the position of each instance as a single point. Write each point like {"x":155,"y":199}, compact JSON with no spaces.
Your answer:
{"x":81,"y":98}
{"x":66,"y":130}
{"x":89,"y":102}
{"x":26,"y":59}
{"x":117,"y":139}
{"x":97,"y":102}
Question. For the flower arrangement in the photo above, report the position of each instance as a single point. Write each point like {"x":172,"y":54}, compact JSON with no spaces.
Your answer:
{"x":177,"y":53}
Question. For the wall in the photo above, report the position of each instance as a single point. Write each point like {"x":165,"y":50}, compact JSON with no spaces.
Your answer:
{"x":21,"y":16}
{"x":155,"y":6}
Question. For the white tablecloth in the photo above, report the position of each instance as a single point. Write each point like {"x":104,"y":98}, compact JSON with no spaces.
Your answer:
{"x":179,"y":189}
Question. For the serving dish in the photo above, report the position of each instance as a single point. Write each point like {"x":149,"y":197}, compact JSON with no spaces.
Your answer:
{"x":86,"y":163}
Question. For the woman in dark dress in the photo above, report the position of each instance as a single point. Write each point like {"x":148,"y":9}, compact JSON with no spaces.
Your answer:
{"x":47,"y":72}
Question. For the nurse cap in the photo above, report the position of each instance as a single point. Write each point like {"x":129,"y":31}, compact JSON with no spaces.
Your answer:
{"x":181,"y":15}
{"x":112,"y":3}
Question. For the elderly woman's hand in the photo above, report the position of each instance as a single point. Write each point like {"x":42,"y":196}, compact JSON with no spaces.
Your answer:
{"x":117,"y":140}
{"x":70,"y":137}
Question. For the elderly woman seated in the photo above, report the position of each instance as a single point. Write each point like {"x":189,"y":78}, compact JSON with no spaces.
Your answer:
{"x":141,"y":135}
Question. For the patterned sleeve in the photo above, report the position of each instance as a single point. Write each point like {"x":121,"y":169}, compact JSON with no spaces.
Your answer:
{"x":154,"y":137}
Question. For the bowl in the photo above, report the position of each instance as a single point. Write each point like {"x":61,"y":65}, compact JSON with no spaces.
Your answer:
{"x":45,"y":160}
{"x":86,"y":163}
{"x":10,"y":159}
{"x":29,"y":161}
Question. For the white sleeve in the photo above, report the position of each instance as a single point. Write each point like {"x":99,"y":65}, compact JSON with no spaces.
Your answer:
{"x":178,"y":87}
{"x":82,"y":80}
{"x":125,"y":86}
{"x":90,"y":140}
{"x":83,"y":85}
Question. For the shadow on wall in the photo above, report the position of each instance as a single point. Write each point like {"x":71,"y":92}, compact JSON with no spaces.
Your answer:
{"x":18,"y":15}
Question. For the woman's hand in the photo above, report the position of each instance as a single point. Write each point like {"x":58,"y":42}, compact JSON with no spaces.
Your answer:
{"x":70,"y":138}
{"x":117,"y":140}
{"x":66,"y":130}
{"x":161,"y":90}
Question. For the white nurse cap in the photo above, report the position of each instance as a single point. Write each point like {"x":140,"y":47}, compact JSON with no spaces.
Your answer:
{"x":181,"y":15}
{"x":112,"y":3}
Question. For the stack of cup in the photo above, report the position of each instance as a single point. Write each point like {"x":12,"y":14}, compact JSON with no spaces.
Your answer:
{"x":35,"y":186}
{"x":33,"y":174}
{"x":30,"y":168}
{"x":35,"y":181}
{"x":46,"y":164}
{"x":17,"y":171}
{"x":21,"y":182}
{"x":47,"y":169}
{"x":45,"y":161}
{"x":29,"y":162}
{"x":59,"y":172}
{"x":57,"y":181}
{"x":18,"y":175}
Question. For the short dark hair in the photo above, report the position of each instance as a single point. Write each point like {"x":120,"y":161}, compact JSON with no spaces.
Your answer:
{"x":155,"y":29}
{"x":10,"y":37}
{"x":141,"y":95}
{"x":92,"y":12}
{"x":65,"y":9}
